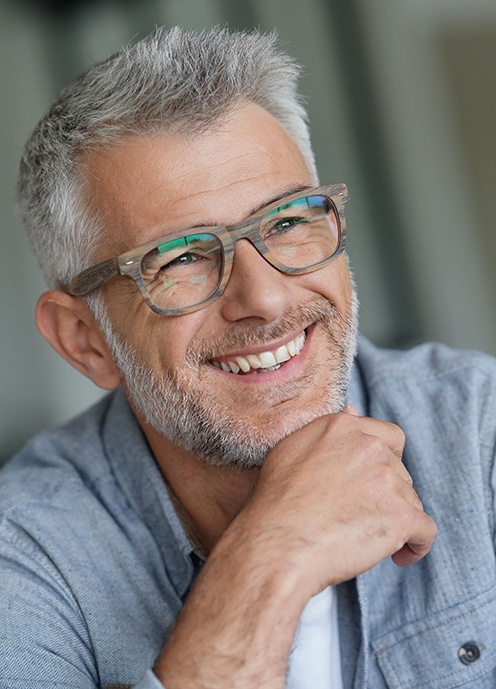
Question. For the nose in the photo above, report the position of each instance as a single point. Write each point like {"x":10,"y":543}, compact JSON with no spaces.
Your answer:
{"x":255,"y":289}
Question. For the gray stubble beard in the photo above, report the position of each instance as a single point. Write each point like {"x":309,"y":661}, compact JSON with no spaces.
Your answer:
{"x":205,"y":426}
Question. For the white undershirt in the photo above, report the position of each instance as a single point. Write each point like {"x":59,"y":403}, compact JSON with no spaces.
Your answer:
{"x":315,"y":661}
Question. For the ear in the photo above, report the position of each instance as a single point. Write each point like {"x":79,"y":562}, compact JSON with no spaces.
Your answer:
{"x":67,"y":323}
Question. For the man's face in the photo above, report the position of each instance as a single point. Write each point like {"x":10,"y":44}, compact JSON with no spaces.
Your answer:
{"x":145,"y":188}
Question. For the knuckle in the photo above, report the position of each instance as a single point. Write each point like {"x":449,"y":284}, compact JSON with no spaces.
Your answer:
{"x":382,"y":489}
{"x":374,"y":445}
{"x":432,"y":526}
{"x":342,"y":420}
{"x":400,"y":433}
{"x":416,"y":498}
{"x":335,"y":425}
{"x":396,"y":434}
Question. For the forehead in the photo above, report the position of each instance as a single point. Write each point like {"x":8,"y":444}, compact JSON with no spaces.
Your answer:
{"x":145,"y":187}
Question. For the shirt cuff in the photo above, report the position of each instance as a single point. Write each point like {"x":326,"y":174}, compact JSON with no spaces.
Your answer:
{"x":149,"y":681}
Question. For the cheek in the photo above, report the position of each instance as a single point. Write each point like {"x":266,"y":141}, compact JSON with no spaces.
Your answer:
{"x":164,"y":341}
{"x":344,"y":277}
{"x":332,"y":282}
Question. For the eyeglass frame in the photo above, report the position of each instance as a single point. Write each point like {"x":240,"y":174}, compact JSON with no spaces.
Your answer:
{"x":129,"y":263}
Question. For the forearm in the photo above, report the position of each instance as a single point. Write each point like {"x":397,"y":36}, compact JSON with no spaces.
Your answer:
{"x":237,"y":627}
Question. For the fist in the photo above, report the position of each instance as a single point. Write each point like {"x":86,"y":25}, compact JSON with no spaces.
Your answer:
{"x":334,"y":499}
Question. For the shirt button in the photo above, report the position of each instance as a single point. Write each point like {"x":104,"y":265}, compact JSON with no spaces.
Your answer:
{"x":469,"y":653}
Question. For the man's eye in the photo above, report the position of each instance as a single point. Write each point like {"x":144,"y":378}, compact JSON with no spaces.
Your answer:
{"x":183,"y":259}
{"x":285,"y":225}
{"x":191,"y":259}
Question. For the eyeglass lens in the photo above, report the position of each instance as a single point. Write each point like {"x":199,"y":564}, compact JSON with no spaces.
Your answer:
{"x":186,"y":271}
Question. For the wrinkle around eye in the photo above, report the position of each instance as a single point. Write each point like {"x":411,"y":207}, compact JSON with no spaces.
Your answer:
{"x":124,"y":299}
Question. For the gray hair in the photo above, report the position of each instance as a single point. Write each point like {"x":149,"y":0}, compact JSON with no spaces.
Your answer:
{"x":171,"y":79}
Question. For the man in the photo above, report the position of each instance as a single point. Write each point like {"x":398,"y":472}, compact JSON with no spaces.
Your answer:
{"x":236,"y":513}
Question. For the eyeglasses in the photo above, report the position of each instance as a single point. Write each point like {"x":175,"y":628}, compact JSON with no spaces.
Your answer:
{"x":183,"y":272}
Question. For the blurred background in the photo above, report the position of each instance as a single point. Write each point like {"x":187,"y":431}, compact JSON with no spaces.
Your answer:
{"x":402,"y":103}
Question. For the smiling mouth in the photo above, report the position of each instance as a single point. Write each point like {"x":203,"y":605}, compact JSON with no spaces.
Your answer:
{"x":262,"y":362}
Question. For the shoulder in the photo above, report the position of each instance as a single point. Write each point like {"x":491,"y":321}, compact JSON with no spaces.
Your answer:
{"x":60,"y":487}
{"x":55,"y":461}
{"x":45,"y":498}
{"x":86,"y":547}
{"x":422,"y":362}
{"x":436,"y":392}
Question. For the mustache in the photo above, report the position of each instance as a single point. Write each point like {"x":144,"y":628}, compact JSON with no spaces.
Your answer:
{"x":241,"y":335}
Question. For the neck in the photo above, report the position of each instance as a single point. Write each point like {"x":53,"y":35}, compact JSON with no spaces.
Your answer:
{"x":210,"y":496}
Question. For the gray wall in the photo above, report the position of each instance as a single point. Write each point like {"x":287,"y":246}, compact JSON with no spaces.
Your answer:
{"x":402,"y":103}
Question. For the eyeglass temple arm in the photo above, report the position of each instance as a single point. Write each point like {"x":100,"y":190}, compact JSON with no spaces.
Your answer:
{"x":92,"y":278}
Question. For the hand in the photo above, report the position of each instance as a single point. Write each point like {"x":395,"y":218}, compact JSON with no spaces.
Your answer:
{"x":338,"y":496}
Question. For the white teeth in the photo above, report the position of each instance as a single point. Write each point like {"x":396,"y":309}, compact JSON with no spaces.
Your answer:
{"x":254,"y":361}
{"x":284,"y":353}
{"x":268,"y":361}
{"x":243,"y":364}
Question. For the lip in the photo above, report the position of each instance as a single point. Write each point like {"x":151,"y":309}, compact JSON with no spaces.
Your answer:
{"x":288,"y":368}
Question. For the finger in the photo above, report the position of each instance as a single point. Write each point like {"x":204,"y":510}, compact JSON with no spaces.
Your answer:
{"x":389,"y":432}
{"x":407,"y":488}
{"x":400,"y":468}
{"x":416,"y":501}
{"x":418,"y":545}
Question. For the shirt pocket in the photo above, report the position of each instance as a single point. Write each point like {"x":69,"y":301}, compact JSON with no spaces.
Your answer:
{"x":452,"y":648}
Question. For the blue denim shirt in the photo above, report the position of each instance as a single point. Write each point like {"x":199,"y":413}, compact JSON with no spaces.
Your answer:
{"x":95,"y":566}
